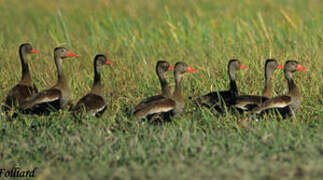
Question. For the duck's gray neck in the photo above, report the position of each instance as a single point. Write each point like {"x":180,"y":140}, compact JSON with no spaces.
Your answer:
{"x":178,"y":87}
{"x":293,"y":91}
{"x":177,"y":96}
{"x":61,"y":79}
{"x":25,"y":74}
{"x":232,"y":77}
{"x":292,"y":88}
{"x":163,"y":83}
{"x":267,"y":92}
{"x":97,"y":85}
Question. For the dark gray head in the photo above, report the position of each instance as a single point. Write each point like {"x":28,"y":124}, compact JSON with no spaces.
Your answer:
{"x":63,"y":53}
{"x":235,"y":65}
{"x":100,"y":60}
{"x":181,"y":68}
{"x":163,"y":66}
{"x":272,"y":64}
{"x":27,"y":48}
{"x":292,"y":66}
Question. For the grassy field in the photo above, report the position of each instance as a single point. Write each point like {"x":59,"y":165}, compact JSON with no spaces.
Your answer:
{"x":135,"y":34}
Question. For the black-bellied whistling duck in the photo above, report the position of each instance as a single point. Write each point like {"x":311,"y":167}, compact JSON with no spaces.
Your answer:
{"x":56,"y":97}
{"x":270,"y":66}
{"x":286,"y":104}
{"x":166,"y":107}
{"x":248,"y":102}
{"x":94,"y":102}
{"x":25,"y":89}
{"x":161,"y":68}
{"x":220,"y":99}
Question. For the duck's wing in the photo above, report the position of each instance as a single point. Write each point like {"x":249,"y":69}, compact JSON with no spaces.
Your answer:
{"x":249,"y":102}
{"x":276,"y":102}
{"x":90,"y":103}
{"x":46,"y":96}
{"x":160,"y":105}
{"x":216,"y":97}
{"x":146,"y":101}
{"x":18,"y":95}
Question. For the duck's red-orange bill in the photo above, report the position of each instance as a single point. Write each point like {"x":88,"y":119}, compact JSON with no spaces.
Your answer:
{"x":108,"y":62}
{"x":34,"y":51}
{"x":171,"y":68}
{"x":242,"y":66}
{"x":279,"y":66}
{"x":70,"y":54}
{"x":301,"y":68}
{"x":190,"y":69}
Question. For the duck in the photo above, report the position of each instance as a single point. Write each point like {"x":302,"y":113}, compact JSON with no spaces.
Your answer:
{"x":270,"y":66}
{"x":25,"y":89}
{"x":56,"y":97}
{"x":162,"y":67}
{"x":164,"y":108}
{"x":248,"y":102}
{"x":94,"y":102}
{"x":287,"y":104}
{"x":222,"y":99}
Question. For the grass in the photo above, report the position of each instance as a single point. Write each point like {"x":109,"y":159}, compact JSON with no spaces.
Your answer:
{"x":135,"y":34}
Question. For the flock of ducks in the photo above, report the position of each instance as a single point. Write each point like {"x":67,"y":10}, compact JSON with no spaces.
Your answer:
{"x":26,"y":99}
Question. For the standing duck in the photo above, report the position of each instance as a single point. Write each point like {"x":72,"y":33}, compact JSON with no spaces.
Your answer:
{"x":161,"y":68}
{"x":219,"y":99}
{"x":94,"y":102}
{"x":166,"y":107}
{"x":25,"y":89}
{"x":286,"y":104}
{"x":56,"y":97}
{"x":248,"y":102}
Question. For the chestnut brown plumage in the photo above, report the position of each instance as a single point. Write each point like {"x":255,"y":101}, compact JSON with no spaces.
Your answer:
{"x":286,"y":104}
{"x":248,"y":102}
{"x":270,"y":66}
{"x":56,"y":97}
{"x":222,"y":99}
{"x":94,"y":102}
{"x":166,"y":107}
{"x":161,"y":68}
{"x":25,"y":89}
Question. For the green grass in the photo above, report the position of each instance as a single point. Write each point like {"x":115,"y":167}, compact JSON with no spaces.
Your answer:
{"x":135,"y":34}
